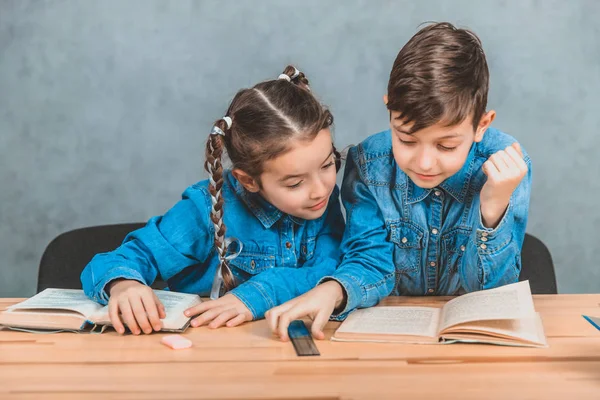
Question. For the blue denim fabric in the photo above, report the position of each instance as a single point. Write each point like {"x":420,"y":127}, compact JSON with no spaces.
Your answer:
{"x":281,"y":258}
{"x":401,"y":239}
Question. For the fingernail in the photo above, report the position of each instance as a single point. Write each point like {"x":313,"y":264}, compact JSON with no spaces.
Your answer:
{"x":187,"y":313}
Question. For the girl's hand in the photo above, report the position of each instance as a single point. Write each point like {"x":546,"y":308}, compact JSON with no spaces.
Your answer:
{"x":318,"y":304}
{"x":505,"y":170}
{"x":137,"y":305}
{"x":227,"y":310}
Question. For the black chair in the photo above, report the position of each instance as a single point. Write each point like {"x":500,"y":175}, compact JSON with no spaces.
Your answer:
{"x":67,"y":255}
{"x":537,"y":266}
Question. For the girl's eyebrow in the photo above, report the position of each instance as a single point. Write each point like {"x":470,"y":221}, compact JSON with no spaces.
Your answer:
{"x":285,"y":178}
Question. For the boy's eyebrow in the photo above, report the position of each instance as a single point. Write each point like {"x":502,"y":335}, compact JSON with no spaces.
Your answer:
{"x":449,"y":136}
{"x":285,"y":178}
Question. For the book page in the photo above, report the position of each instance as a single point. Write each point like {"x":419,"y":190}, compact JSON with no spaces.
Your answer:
{"x":526,"y":329}
{"x":415,"y":321}
{"x":512,"y":301}
{"x":59,"y":299}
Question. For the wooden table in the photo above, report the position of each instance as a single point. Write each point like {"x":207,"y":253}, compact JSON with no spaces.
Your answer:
{"x":247,"y":362}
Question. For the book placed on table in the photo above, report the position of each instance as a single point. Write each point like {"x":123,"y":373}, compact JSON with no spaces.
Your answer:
{"x":503,"y":316}
{"x":71,"y":310}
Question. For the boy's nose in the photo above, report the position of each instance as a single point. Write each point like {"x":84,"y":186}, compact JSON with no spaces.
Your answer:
{"x":425,"y":161}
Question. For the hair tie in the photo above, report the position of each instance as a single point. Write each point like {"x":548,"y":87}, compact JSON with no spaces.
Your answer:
{"x":217,"y":131}
{"x":285,"y":76}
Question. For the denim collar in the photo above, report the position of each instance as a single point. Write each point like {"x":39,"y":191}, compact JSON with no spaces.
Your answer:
{"x":456,"y":185}
{"x":264,"y":211}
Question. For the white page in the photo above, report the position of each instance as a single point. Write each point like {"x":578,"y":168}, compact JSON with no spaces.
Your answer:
{"x":512,"y":301}
{"x":417,"y":321}
{"x":59,"y":299}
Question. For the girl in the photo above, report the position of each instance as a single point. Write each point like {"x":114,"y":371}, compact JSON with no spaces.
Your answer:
{"x":279,"y":235}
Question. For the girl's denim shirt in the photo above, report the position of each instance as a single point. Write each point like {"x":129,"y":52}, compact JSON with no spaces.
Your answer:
{"x":281,"y":256}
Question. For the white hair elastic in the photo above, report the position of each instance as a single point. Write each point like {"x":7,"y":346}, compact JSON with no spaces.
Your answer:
{"x":296,"y":73}
{"x":284,"y":76}
{"x":218,"y":131}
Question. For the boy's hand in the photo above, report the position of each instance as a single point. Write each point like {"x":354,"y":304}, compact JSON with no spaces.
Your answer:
{"x":138,"y":305}
{"x":318,"y":304}
{"x":227,"y":310}
{"x":505,"y":170}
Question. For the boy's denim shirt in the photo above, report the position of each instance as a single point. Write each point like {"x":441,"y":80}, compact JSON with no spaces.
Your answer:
{"x":401,"y":239}
{"x":281,"y":258}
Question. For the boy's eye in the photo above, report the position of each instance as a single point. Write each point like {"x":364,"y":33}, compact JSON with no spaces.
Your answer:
{"x":444,"y":148}
{"x":406,"y":142}
{"x":328,"y":165}
{"x":295,"y":185}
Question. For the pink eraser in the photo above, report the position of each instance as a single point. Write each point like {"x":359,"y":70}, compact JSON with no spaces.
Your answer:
{"x":176,"y":342}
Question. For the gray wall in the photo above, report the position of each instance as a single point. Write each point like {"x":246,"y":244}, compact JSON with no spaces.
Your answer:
{"x":105,"y":105}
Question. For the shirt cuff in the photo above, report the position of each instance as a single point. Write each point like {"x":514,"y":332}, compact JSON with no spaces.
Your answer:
{"x":492,"y":240}
{"x":254,"y":297}
{"x":101,"y":296}
{"x":352,"y":294}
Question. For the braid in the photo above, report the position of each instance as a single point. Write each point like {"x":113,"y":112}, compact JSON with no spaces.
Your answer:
{"x":214,"y":167}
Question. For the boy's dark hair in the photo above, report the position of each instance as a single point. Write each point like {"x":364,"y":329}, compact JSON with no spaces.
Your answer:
{"x":440,"y":75}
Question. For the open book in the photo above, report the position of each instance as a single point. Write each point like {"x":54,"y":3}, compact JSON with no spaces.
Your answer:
{"x":72,"y":310}
{"x":503,"y":316}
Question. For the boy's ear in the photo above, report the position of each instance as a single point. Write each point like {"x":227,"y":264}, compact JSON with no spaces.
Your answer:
{"x":385,"y":99}
{"x":246,"y":180}
{"x":484,"y":123}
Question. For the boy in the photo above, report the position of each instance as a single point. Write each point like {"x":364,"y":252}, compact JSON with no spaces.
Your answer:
{"x":438,"y":204}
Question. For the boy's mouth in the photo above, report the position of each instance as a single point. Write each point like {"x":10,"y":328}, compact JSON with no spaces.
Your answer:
{"x":426,"y":177}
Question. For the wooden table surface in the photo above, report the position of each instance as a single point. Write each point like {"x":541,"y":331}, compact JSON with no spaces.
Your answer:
{"x":248,"y":363}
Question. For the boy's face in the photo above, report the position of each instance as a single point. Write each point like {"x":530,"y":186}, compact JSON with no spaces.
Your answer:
{"x":433,"y":154}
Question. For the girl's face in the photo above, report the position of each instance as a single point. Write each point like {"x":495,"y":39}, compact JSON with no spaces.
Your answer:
{"x":300,"y":181}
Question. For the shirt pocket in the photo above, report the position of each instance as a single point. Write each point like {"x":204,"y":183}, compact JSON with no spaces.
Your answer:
{"x":408,"y":245}
{"x":454,"y":244}
{"x":251,"y":262}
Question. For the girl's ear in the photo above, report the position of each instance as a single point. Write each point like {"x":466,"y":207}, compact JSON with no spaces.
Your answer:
{"x":249,"y":183}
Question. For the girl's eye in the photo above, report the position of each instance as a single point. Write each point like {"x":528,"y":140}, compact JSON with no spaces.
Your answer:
{"x":444,"y":148}
{"x":294,"y":185}
{"x":328,"y":165}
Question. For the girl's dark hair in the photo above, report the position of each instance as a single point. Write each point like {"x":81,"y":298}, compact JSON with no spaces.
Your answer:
{"x":264,"y":121}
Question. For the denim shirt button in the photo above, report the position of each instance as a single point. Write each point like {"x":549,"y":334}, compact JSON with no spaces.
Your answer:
{"x":288,"y":245}
{"x":252,"y":264}
{"x":434,"y":231}
{"x":437,"y":193}
{"x":484,"y":234}
{"x":432,"y":263}
{"x":483,"y":246}
{"x":430,"y":291}
{"x":484,"y":239}
{"x":404,"y":240}
{"x":462,"y":248}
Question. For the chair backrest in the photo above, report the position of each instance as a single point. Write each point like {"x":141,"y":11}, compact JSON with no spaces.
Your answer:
{"x":537,"y":266}
{"x":67,"y":255}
